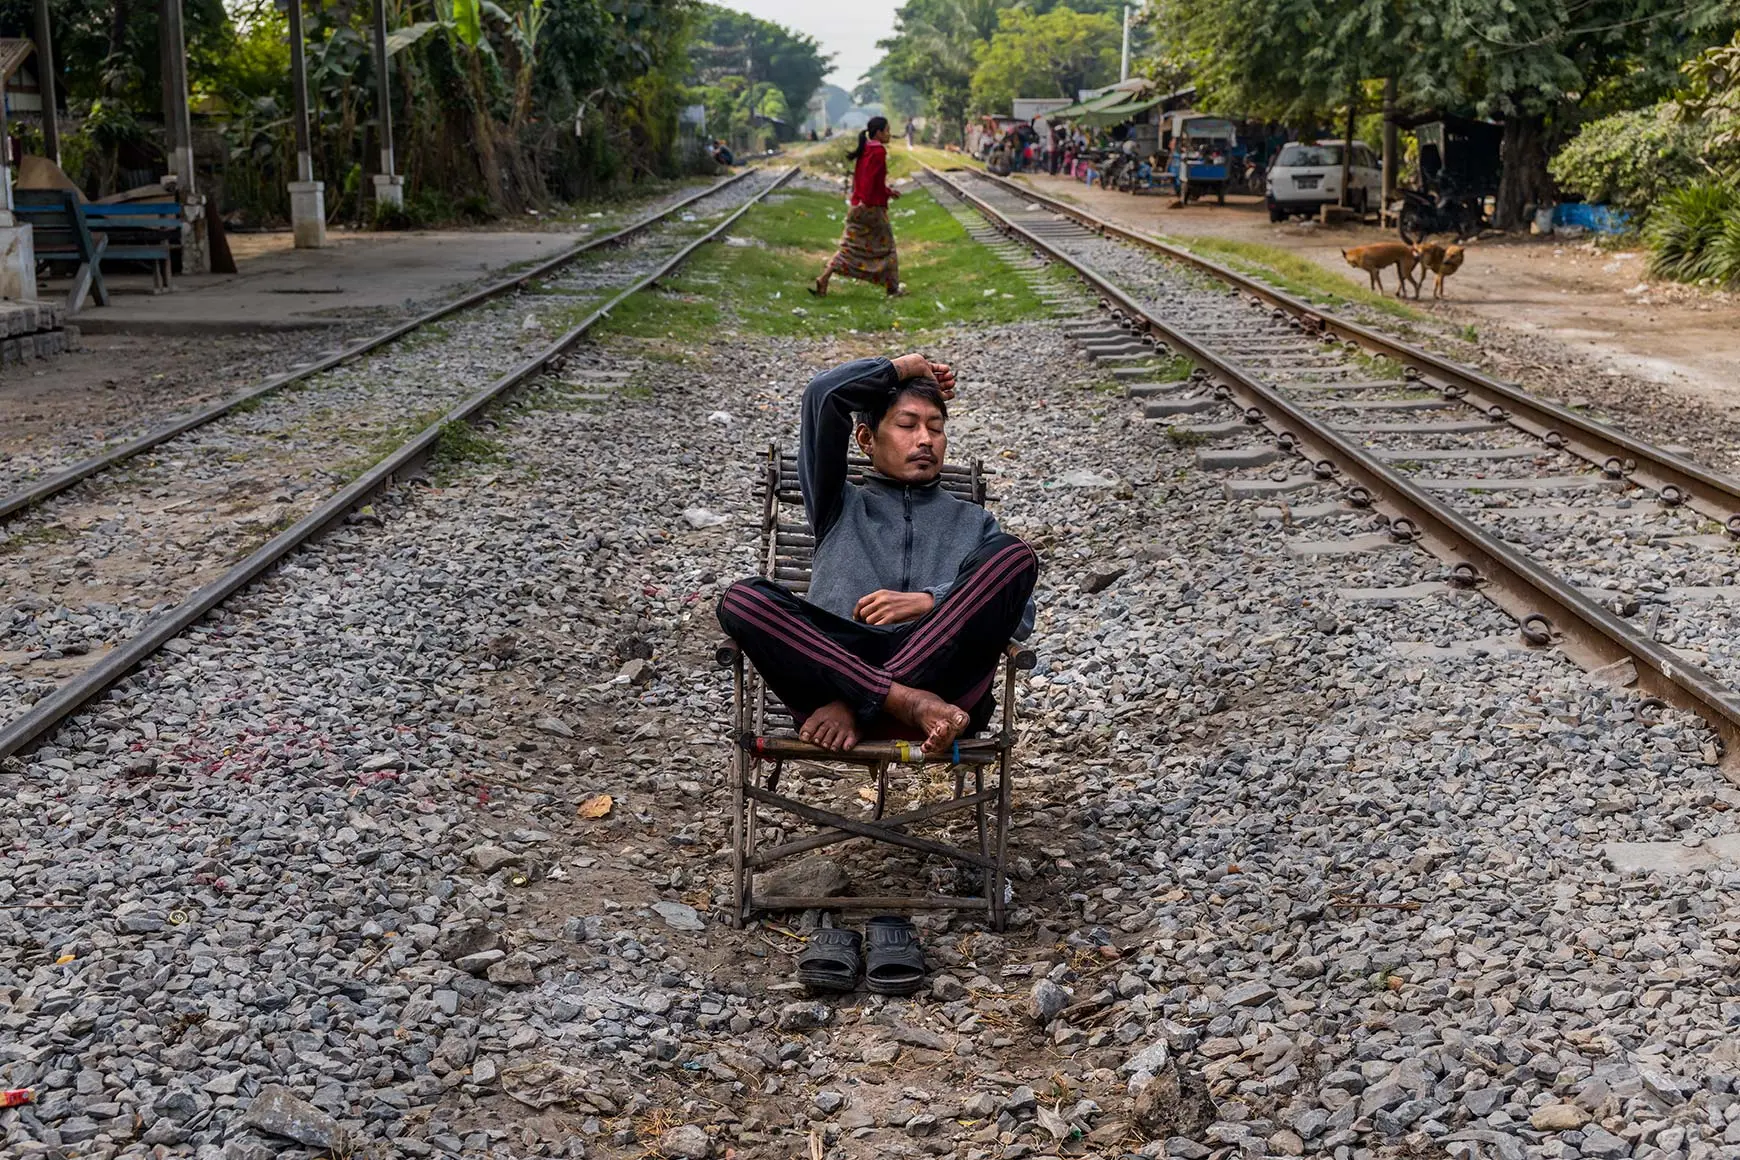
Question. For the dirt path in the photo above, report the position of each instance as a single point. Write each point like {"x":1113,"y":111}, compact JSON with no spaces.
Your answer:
{"x":1597,"y":303}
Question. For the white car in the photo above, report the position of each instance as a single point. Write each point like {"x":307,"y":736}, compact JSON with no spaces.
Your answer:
{"x":1304,"y":177}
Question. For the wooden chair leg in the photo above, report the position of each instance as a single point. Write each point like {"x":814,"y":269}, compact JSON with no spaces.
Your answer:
{"x":979,"y":811}
{"x":740,"y":851}
{"x":1000,"y":872}
{"x":751,"y":824}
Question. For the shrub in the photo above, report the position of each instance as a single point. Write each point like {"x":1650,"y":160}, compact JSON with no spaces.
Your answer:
{"x":1722,"y":260}
{"x":1712,"y":98}
{"x":1633,"y":159}
{"x":1694,"y":234}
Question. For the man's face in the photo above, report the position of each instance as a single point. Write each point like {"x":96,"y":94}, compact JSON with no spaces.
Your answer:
{"x":910,"y":444}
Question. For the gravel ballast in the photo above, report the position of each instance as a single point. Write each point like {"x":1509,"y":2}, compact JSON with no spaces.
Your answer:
{"x":1311,"y":874}
{"x":84,"y":570}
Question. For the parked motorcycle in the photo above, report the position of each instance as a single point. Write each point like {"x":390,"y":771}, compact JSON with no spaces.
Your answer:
{"x":1116,"y":165}
{"x":1439,"y":212}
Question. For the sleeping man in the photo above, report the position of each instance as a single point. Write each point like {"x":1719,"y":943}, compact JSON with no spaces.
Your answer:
{"x":914,"y":593}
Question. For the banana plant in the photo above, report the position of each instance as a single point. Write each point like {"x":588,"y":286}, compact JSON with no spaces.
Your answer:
{"x":524,"y":28}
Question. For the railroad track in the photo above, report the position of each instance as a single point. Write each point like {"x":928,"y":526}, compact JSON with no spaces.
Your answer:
{"x":99,"y":579}
{"x":1619,"y":552}
{"x":26,"y":489}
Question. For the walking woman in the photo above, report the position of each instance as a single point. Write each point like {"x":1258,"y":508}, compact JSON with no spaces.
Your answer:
{"x":867,"y":247}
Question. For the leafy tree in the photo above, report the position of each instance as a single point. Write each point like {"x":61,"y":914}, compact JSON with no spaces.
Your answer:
{"x":1053,"y":55}
{"x":516,"y":98}
{"x":1712,"y":99}
{"x":757,"y":52}
{"x":934,"y":49}
{"x":1112,"y":8}
{"x":1530,"y":62}
{"x":901,"y":100}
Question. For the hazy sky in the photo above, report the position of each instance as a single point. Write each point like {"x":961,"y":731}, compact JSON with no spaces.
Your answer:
{"x":847,"y":28}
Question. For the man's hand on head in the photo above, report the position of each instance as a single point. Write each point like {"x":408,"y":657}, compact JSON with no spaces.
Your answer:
{"x":885,"y":606}
{"x":917,"y":366}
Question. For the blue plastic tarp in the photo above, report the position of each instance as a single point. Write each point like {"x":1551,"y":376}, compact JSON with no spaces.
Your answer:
{"x":1597,"y":219}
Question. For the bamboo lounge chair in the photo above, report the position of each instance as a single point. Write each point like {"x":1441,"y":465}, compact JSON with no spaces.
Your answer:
{"x":766,"y":742}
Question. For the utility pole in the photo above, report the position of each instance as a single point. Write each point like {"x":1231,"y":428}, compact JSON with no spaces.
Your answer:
{"x":1347,"y":150}
{"x":307,"y":196}
{"x":178,"y":138}
{"x":46,"y":81}
{"x":178,"y":124}
{"x":1124,"y":64}
{"x":1391,"y":159}
{"x":389,"y":186}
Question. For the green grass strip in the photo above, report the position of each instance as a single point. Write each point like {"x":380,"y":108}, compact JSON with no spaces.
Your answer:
{"x":1293,"y":273}
{"x":756,"y":284}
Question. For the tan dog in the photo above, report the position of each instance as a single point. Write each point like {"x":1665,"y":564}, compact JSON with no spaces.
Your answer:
{"x":1372,"y":259}
{"x":1441,"y":260}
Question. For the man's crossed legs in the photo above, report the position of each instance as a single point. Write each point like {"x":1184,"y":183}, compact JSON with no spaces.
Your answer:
{"x":932,"y":676}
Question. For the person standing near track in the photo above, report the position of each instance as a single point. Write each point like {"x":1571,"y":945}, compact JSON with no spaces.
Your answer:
{"x":867,"y":246}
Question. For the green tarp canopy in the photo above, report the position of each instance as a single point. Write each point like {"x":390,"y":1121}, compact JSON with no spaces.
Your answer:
{"x":1084,"y":109}
{"x":1117,"y":114}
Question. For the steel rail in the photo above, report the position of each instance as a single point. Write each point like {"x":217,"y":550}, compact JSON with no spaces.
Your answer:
{"x":49,"y":712}
{"x":1711,"y":492}
{"x":60,"y":481}
{"x":1516,"y":583}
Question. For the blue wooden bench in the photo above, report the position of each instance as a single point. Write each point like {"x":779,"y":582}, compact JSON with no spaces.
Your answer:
{"x":68,"y":231}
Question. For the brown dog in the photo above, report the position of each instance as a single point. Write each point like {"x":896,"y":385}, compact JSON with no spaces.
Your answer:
{"x":1372,"y":259}
{"x":1441,"y":260}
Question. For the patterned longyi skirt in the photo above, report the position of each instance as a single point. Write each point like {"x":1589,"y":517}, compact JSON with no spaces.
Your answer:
{"x":867,"y":247}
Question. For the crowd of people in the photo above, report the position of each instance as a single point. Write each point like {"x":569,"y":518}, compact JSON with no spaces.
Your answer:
{"x":1040,"y":146}
{"x":1111,"y":156}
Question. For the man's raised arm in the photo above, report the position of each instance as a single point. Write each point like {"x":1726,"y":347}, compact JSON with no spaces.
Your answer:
{"x":825,"y":431}
{"x":825,"y":423}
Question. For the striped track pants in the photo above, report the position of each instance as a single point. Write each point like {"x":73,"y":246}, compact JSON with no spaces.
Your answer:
{"x":811,"y":657}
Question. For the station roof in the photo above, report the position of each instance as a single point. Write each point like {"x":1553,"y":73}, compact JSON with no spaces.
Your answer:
{"x":14,"y":51}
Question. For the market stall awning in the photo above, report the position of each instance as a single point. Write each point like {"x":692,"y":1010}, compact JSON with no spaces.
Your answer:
{"x":1083,"y":109}
{"x":1119,"y":113}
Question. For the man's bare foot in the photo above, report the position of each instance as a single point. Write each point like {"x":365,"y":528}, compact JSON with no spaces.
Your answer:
{"x":833,"y":726}
{"x":940,"y":721}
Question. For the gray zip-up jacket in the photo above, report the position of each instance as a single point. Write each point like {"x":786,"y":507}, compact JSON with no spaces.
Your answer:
{"x":883,"y":533}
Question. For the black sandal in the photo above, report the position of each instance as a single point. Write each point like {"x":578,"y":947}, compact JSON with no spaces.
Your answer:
{"x":830,"y":960}
{"x":896,"y":964}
